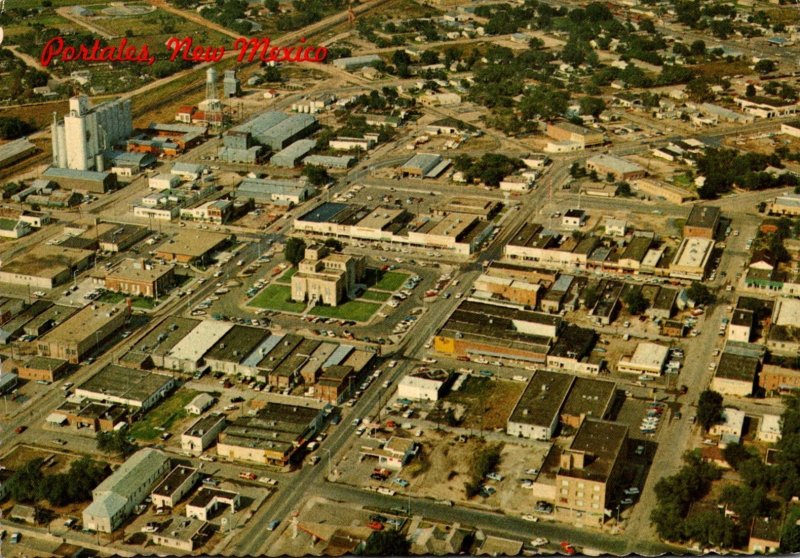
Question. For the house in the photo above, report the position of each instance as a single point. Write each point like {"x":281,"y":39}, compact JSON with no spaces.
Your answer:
{"x":199,"y":404}
{"x":615,"y":227}
{"x":180,"y":533}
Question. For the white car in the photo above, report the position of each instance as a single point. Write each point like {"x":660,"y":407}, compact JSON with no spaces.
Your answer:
{"x":529,"y":517}
{"x":539,"y":541}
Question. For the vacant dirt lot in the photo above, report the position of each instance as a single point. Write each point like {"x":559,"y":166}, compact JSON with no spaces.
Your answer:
{"x":486,"y":403}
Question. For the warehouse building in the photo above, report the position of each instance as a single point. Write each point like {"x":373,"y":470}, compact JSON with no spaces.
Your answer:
{"x":177,"y":484}
{"x":273,"y":436}
{"x":330,"y":162}
{"x":119,"y":238}
{"x":45,"y":266}
{"x":566,"y":131}
{"x":43,"y":369}
{"x":156,"y":345}
{"x":291,"y":156}
{"x":14,"y":151}
{"x":97,"y":182}
{"x":737,"y":371}
{"x":424,"y":165}
{"x":131,"y":387}
{"x":495,"y":331}
{"x":85,"y":330}
{"x":620,"y":169}
{"x":187,"y":354}
{"x":192,"y":246}
{"x":273,"y":191}
{"x":356,"y":62}
{"x":114,"y":499}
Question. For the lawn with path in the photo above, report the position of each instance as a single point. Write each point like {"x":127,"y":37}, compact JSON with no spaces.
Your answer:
{"x":277,"y":297}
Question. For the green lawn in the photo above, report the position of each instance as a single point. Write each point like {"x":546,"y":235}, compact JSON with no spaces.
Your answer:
{"x":391,"y":281}
{"x":350,"y":310}
{"x":164,"y":415}
{"x":277,"y":297}
{"x":287,"y":275}
{"x":111,"y":298}
{"x":142,"y":302}
{"x":376,"y":295}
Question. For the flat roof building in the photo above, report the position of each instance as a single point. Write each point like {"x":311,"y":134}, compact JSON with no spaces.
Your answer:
{"x":589,"y":472}
{"x":45,"y":266}
{"x":139,"y":277}
{"x":648,"y":358}
{"x":537,"y":412}
{"x":617,"y":167}
{"x":191,"y":246}
{"x":477,"y":328}
{"x":132,"y":387}
{"x":82,"y":332}
{"x":702,"y":222}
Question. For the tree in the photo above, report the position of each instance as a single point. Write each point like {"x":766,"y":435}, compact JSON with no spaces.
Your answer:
{"x":590,"y":296}
{"x":698,"y":48}
{"x":709,"y":409}
{"x":388,"y":542}
{"x":700,"y":294}
{"x":295,"y":250}
{"x":12,"y":127}
{"x":592,"y":106}
{"x":115,"y":442}
{"x":736,"y":454}
{"x":576,"y":170}
{"x":635,"y":301}
{"x":624,"y":189}
{"x":429,"y":57}
{"x":316,"y":175}
{"x":765,"y":66}
{"x":699,"y":91}
{"x":334,"y":244}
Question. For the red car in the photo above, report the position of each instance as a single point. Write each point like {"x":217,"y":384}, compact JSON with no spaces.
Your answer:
{"x":20,"y":429}
{"x":568,"y":548}
{"x":375,"y":525}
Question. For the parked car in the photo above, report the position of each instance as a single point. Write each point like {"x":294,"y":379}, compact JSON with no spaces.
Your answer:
{"x":568,"y":548}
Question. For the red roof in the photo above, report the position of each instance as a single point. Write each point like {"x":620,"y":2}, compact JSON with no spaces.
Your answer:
{"x":186,"y":109}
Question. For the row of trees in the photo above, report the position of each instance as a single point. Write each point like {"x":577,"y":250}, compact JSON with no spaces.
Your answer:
{"x":723,"y":168}
{"x":29,"y":485}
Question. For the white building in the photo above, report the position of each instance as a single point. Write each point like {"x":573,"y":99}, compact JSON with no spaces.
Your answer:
{"x":202,"y":433}
{"x":730,"y":430}
{"x":769,"y":429}
{"x":164,"y":181}
{"x":648,"y":358}
{"x":420,"y":387}
{"x":81,"y":138}
{"x":199,"y":404}
{"x":114,"y":499}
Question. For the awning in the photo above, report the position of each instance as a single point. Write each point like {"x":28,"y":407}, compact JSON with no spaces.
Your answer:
{"x":56,"y":418}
